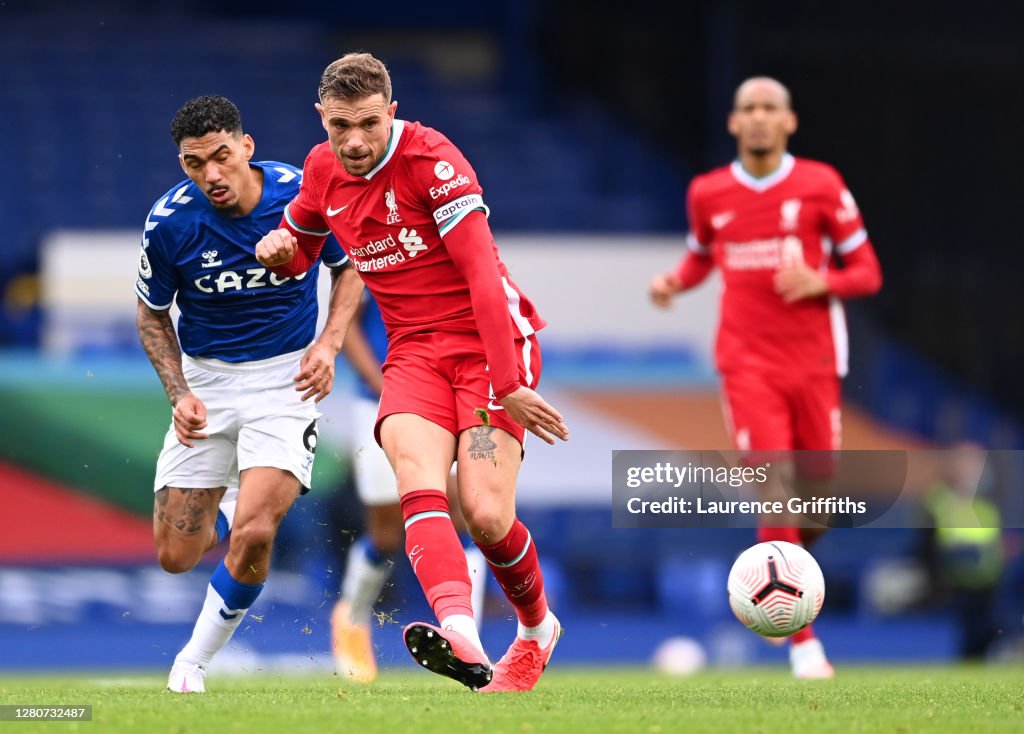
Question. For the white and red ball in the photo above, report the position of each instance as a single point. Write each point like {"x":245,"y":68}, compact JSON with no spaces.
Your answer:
{"x":776,"y":588}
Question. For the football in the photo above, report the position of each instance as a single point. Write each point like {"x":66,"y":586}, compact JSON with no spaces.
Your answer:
{"x":679,"y":656}
{"x":776,"y":588}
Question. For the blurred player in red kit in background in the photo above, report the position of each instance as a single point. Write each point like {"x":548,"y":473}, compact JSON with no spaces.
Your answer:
{"x":462,"y":361}
{"x":778,"y":228}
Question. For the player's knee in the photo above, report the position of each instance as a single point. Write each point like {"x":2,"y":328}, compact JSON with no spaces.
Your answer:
{"x":177,"y":558}
{"x":488,"y":524}
{"x":254,"y":534}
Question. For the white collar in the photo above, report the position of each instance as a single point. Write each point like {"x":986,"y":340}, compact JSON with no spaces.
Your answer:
{"x":397,"y":128}
{"x":763,"y":183}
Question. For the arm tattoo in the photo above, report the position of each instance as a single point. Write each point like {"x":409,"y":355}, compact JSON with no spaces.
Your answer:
{"x":156,"y":332}
{"x":482,"y":447}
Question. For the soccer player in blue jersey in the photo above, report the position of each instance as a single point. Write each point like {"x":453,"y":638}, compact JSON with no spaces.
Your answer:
{"x":243,"y":373}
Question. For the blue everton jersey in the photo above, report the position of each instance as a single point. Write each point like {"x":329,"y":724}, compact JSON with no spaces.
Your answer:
{"x":232,"y":308}
{"x":376,"y":336}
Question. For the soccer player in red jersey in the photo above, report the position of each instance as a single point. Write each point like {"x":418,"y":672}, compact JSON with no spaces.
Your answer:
{"x":777,"y":227}
{"x":462,"y":363}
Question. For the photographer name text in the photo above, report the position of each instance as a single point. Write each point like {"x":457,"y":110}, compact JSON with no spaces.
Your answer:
{"x":704,"y":506}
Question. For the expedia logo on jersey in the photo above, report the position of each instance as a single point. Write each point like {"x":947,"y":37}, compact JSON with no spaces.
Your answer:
{"x":436,"y":192}
{"x":768,"y":254}
{"x":453,"y":208}
{"x":250,"y":278}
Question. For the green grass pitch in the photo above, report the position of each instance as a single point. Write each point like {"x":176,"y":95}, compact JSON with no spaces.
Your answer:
{"x":589,"y":701}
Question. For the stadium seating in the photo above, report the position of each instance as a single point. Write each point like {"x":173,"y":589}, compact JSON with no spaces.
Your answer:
{"x":86,"y":126}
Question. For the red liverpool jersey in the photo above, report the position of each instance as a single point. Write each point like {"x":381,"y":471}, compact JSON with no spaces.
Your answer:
{"x":391,"y":223}
{"x":750,"y":227}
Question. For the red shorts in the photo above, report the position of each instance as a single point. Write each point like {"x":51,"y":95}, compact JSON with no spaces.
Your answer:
{"x":443,"y":377}
{"x":768,"y":413}
{"x":781,"y":413}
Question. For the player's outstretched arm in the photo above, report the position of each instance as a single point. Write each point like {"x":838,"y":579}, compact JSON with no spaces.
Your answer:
{"x":471,"y":247}
{"x":160,"y":342}
{"x":527,"y":408}
{"x":316,"y":372}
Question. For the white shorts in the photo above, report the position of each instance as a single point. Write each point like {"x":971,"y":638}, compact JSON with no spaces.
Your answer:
{"x":254,"y":416}
{"x":375,"y":479}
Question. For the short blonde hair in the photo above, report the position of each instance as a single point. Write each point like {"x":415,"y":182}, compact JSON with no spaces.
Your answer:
{"x":355,"y":75}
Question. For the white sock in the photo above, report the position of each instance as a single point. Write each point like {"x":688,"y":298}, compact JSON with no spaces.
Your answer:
{"x":465,"y":626}
{"x":363,"y":584}
{"x":478,"y":578}
{"x":212,"y":630}
{"x":543,"y":633}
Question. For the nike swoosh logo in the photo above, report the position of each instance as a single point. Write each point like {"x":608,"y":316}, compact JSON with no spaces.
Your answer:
{"x":494,"y":406}
{"x":331,"y":212}
{"x":720,"y":220}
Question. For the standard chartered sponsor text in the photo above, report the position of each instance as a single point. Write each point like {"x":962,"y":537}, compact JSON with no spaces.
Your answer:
{"x":379,"y":263}
{"x":374,"y":246}
{"x":760,"y":254}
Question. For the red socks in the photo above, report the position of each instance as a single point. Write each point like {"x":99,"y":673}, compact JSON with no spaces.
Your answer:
{"x":439,"y":561}
{"x":807,"y":633}
{"x":435,"y":553}
{"x":514,"y":562}
{"x":789,"y":535}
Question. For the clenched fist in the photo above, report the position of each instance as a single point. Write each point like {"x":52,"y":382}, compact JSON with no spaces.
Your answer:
{"x":663,"y":290}
{"x":276,"y":248}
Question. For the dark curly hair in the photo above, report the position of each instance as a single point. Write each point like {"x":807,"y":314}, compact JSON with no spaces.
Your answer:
{"x":207,"y":114}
